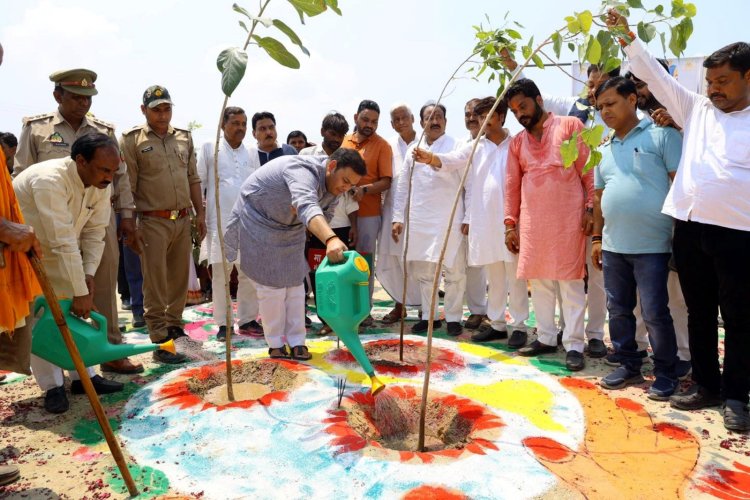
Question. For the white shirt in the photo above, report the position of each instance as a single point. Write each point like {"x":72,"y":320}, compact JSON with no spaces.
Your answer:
{"x":484,"y":199}
{"x":346,"y":204}
{"x":69,"y":220}
{"x":386,"y":245}
{"x":235,"y":165}
{"x":712,"y":184}
{"x":433,"y":192}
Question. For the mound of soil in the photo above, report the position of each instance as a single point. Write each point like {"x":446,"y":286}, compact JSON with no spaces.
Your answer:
{"x":250,"y":380}
{"x":393,"y":422}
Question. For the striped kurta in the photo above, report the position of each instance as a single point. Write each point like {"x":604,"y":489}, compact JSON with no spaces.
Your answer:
{"x":268,"y":221}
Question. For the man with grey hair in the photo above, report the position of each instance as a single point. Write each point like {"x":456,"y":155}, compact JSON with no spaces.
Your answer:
{"x":429,"y":214}
{"x":476,"y":276}
{"x":390,"y":270}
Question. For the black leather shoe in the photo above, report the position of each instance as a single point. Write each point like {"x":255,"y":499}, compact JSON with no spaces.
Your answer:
{"x":597,"y":349}
{"x":222,"y":333}
{"x":454,"y":328}
{"x":138,"y":321}
{"x":695,"y":398}
{"x":489,"y":334}
{"x":175,"y":332}
{"x":536,"y":348}
{"x":9,"y":474}
{"x":101,"y":385}
{"x":574,"y":361}
{"x":736,"y":416}
{"x":162,"y":356}
{"x":421,"y":326}
{"x":56,"y":401}
{"x":517,"y":339}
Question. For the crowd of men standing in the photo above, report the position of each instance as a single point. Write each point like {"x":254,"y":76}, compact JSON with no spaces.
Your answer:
{"x":656,"y":235}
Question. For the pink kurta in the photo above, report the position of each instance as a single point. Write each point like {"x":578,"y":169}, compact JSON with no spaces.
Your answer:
{"x":547,"y":201}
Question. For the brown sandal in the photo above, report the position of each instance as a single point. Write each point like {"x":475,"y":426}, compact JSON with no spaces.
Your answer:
{"x":393,"y":317}
{"x":278,"y":352}
{"x":325,"y":330}
{"x":301,"y":353}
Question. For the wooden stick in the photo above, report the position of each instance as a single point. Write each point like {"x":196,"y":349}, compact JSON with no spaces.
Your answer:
{"x":438,"y":269}
{"x":407,"y":210}
{"x":114,"y":446}
{"x":225,"y":267}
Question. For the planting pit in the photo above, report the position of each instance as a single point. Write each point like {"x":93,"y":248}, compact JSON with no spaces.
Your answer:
{"x":251,"y":380}
{"x":257,"y":381}
{"x":394,"y":423}
{"x":387,"y":425}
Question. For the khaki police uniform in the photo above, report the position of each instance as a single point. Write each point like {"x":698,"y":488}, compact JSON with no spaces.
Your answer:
{"x":50,"y":136}
{"x":161,"y":171}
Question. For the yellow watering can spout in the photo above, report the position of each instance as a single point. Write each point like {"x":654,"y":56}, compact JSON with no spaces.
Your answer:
{"x":375,"y":385}
{"x":343,"y":301}
{"x":168,"y":346}
{"x":91,"y":339}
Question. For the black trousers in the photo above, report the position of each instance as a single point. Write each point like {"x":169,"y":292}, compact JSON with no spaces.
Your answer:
{"x":713,"y":263}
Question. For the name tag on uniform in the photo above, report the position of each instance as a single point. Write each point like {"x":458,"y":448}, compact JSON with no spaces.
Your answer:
{"x":146,"y":150}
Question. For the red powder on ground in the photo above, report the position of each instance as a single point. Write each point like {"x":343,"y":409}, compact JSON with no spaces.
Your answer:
{"x":426,"y":492}
{"x":547,"y":449}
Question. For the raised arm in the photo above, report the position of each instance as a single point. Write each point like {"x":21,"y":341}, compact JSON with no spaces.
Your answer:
{"x":679,"y":101}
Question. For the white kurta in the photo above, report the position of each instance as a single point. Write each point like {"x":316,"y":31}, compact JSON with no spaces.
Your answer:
{"x":389,"y":269}
{"x":235,"y":165}
{"x":484,"y":199}
{"x":433,"y":192}
{"x":69,"y":220}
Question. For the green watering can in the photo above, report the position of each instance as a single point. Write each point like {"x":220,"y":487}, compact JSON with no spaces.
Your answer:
{"x":343,"y":301}
{"x":48,"y":343}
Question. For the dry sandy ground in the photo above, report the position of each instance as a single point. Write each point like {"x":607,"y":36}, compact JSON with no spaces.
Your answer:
{"x":63,"y":456}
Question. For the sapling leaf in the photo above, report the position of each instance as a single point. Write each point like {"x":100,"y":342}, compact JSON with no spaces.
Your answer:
{"x":595,"y":156}
{"x":569,"y":150}
{"x":646,"y":31}
{"x":585,"y":19}
{"x":232,"y":63}
{"x":263,"y":20}
{"x":277,"y":51}
{"x":334,"y":5}
{"x":291,"y":34}
{"x":593,"y":51}
{"x":556,"y":43}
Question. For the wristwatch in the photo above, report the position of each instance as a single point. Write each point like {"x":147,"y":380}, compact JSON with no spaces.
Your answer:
{"x":364,"y":189}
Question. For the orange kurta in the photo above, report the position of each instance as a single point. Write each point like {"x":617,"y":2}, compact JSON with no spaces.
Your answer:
{"x":18,"y":284}
{"x":548,"y":201}
{"x":378,"y":158}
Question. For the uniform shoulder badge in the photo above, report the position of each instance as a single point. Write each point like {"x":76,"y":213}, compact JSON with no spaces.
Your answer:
{"x":101,"y":122}
{"x":134,"y":129}
{"x":45,"y":116}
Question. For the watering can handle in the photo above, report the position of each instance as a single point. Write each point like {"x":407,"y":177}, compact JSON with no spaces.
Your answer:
{"x":99,"y":320}
{"x":39,"y":303}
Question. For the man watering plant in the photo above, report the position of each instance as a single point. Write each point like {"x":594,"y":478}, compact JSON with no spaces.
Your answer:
{"x":267,"y":227}
{"x":66,"y":201}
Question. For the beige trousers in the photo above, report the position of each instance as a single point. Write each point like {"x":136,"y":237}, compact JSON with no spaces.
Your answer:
{"x":105,"y":283}
{"x":164,"y":264}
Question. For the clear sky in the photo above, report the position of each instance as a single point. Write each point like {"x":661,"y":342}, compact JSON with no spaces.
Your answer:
{"x":386,"y":50}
